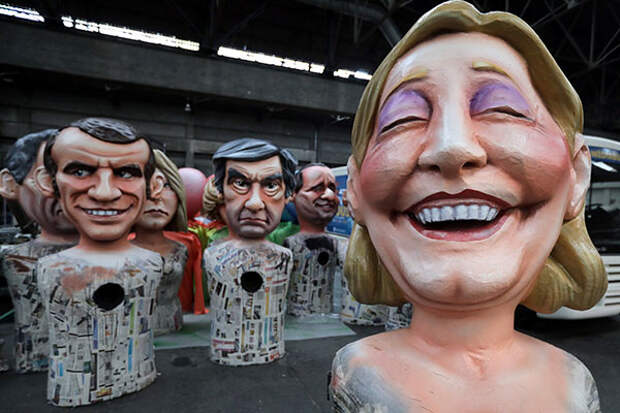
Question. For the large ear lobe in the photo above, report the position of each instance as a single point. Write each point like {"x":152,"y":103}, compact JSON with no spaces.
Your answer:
{"x":157,"y":185}
{"x":43,"y":180}
{"x":353,"y":191}
{"x":8,"y":185}
{"x":582,"y":165}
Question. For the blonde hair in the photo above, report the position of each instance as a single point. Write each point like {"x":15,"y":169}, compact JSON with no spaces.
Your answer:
{"x":211,"y":200}
{"x":170,"y":171}
{"x":574,"y":275}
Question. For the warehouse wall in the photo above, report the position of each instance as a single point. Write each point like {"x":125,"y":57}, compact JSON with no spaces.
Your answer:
{"x":190,"y":138}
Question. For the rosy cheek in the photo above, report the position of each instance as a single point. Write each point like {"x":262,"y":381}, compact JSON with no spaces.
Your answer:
{"x":386,"y":169}
{"x":540,"y":161}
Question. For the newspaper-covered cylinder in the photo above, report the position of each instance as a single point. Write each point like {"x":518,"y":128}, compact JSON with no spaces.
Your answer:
{"x":247,"y":285}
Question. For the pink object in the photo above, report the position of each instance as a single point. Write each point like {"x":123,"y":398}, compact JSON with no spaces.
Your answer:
{"x":194,"y":182}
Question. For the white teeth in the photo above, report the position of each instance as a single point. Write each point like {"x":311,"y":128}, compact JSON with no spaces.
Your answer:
{"x":461,"y":212}
{"x":427,"y":215}
{"x":473,"y":210}
{"x":421,"y":218}
{"x":478,"y":212}
{"x":103,"y":212}
{"x":484,"y":211}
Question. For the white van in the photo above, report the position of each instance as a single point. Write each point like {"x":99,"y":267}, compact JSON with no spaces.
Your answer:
{"x":603,"y":222}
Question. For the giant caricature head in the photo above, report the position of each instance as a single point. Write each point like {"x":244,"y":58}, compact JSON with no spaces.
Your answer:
{"x":17,"y":184}
{"x":99,"y":169}
{"x":316,"y":199}
{"x":467,"y":166}
{"x":167,"y":210}
{"x":255,"y":178}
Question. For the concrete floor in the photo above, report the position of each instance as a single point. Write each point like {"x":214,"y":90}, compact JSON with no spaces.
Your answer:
{"x":188,"y":382}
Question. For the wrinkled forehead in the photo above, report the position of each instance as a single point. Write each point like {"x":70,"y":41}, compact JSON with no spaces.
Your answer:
{"x":255,"y":170}
{"x":314,"y":175}
{"x":74,"y":145}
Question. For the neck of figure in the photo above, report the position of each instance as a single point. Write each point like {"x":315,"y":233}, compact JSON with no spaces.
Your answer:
{"x":311,"y":227}
{"x":244,"y":241}
{"x":475,"y":343}
{"x":148,"y":237}
{"x":153,"y":240}
{"x":53,"y":238}
{"x":113,"y":246}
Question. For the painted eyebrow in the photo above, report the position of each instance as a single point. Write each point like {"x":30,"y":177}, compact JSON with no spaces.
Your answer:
{"x":481,"y":66}
{"x":131,"y":168}
{"x":233,"y":173}
{"x":414,"y":77}
{"x":273,"y":177}
{"x":78,"y":164}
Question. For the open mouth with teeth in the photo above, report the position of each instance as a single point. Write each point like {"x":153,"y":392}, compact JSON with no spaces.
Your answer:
{"x":447,"y":217}
{"x":104,"y":212}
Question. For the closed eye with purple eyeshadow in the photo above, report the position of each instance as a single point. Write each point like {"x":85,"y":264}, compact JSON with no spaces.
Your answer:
{"x":403,"y":106}
{"x":499,"y":97}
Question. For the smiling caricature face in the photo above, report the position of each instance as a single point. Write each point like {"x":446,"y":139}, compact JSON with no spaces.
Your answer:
{"x":253,"y":197}
{"x":159,"y":211}
{"x":101,"y":184}
{"x":317,"y":200}
{"x":467,"y":178}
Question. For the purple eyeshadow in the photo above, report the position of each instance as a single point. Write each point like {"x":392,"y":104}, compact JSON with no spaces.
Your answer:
{"x":495,"y":95}
{"x":402,"y":104}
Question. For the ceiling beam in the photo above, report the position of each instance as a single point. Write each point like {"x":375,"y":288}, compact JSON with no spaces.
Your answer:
{"x":95,"y":57}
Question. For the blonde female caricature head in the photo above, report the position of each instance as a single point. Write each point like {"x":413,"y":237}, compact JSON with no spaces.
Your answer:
{"x":501,"y":151}
{"x":167,"y":211}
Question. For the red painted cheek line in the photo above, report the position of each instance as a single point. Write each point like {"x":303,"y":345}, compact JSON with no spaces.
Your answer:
{"x":464,"y":234}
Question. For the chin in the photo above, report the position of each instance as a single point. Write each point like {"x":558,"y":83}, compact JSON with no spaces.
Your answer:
{"x":460,"y":285}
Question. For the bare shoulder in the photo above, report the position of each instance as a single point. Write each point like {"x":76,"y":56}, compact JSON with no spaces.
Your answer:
{"x":582,"y":387}
{"x":358,"y":383}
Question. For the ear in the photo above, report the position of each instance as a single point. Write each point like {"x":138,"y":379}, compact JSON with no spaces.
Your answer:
{"x":353,"y":191}
{"x":157,"y":186}
{"x":582,"y":164}
{"x":43,"y":180}
{"x":8,"y":186}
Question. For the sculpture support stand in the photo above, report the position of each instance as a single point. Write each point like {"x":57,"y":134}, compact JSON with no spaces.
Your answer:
{"x":399,"y":317}
{"x":316,"y":261}
{"x":101,"y":337}
{"x":247,"y":285}
{"x":168,"y":315}
{"x":31,"y":325}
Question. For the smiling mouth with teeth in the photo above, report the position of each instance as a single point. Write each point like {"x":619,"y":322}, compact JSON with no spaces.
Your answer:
{"x":467,"y":216}
{"x":460,"y":213}
{"x":104,"y":212}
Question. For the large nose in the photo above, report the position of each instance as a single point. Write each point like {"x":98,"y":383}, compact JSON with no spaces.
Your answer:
{"x":254,"y":202}
{"x":104,"y":190}
{"x":452,"y":145}
{"x":329,"y":194}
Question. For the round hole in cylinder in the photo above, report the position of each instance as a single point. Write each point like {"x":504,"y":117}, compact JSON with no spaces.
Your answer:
{"x":251,"y":281}
{"x":109,"y":296}
{"x":323,"y":258}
